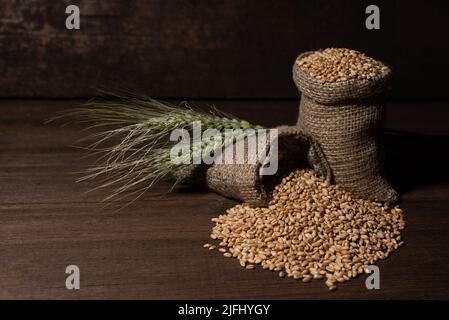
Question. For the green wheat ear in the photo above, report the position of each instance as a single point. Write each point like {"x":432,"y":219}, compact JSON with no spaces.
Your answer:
{"x":135,"y":130}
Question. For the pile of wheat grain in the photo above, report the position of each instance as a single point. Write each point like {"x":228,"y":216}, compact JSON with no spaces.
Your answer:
{"x":311,"y":230}
{"x":340,"y":64}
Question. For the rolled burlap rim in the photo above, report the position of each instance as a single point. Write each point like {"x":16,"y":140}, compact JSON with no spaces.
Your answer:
{"x":337,"y":92}
{"x":346,"y":118}
{"x":244,"y":182}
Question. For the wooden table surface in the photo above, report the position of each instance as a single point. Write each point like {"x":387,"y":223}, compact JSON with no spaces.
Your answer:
{"x":152,"y":249}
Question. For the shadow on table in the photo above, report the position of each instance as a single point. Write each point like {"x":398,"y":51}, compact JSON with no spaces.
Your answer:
{"x":412,"y":160}
{"x":416,"y":159}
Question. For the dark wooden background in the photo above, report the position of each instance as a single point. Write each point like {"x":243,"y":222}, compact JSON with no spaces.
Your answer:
{"x":153,"y":248}
{"x":204,"y":49}
{"x":218,"y":52}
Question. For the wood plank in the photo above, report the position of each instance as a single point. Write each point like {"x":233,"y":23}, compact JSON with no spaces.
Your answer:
{"x":200,"y":49}
{"x":152,"y":249}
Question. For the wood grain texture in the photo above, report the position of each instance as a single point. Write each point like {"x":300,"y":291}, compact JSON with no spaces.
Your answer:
{"x":203,"y":49}
{"x":153,"y":248}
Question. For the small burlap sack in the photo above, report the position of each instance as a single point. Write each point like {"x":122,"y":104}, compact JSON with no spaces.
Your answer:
{"x":244,"y":181}
{"x":346,"y":118}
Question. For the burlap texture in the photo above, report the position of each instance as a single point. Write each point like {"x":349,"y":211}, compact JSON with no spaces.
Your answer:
{"x":244,"y":181}
{"x":346,"y":118}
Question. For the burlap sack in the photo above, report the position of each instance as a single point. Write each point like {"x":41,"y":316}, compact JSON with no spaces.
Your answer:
{"x":346,"y":118}
{"x":244,"y":181}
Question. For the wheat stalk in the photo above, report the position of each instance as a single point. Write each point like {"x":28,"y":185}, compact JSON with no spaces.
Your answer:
{"x":138,"y":128}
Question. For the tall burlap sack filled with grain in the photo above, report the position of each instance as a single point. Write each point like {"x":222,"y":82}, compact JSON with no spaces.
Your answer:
{"x":244,"y":181}
{"x":346,"y":118}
